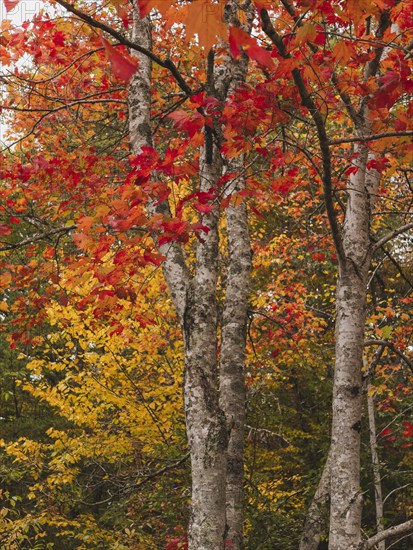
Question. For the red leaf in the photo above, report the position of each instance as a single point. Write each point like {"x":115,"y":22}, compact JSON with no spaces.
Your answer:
{"x":120,"y":257}
{"x":10,"y":4}
{"x":122,"y":67}
{"x":122,"y":13}
{"x":191,"y":123}
{"x":408,"y":432}
{"x":240,"y":40}
{"x":198,"y":227}
{"x":177,"y":544}
{"x":255,"y":210}
{"x":14,"y":220}
{"x":204,"y":208}
{"x":59,"y":38}
{"x":4,"y":230}
{"x":106,"y":293}
{"x":318,"y":256}
{"x":145,"y":6}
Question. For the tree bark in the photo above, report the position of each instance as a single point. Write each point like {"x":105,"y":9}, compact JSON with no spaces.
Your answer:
{"x":214,"y":405}
{"x":205,"y":420}
{"x":234,"y":318}
{"x":378,"y":494}
{"x":346,"y":497}
{"x":232,"y":387}
{"x":317,"y":515}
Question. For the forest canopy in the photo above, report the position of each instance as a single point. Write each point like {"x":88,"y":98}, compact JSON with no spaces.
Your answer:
{"x":206,"y":274}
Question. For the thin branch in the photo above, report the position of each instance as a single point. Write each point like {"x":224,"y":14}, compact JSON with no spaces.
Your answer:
{"x":346,"y":100}
{"x":373,"y":137}
{"x":66,"y":105}
{"x":161,"y":471}
{"x":37,"y":238}
{"x":395,"y":233}
{"x":390,"y":345}
{"x":387,"y":533}
{"x":308,"y":102}
{"x":49,"y":78}
{"x":167,"y":63}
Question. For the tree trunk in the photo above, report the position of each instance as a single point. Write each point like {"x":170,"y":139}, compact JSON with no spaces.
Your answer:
{"x":214,"y":406}
{"x":378,"y":495}
{"x":205,"y":420}
{"x":234,"y":318}
{"x":346,"y":497}
{"x":232,"y":387}
{"x":317,"y":515}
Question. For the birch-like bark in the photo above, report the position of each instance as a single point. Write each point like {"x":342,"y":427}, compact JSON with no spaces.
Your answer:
{"x":213,"y":416}
{"x":378,"y":494}
{"x":316,"y":522}
{"x":346,"y":497}
{"x":232,"y":368}
{"x":196,"y":306}
{"x":234,"y":318}
{"x":140,"y":135}
{"x":205,"y":420}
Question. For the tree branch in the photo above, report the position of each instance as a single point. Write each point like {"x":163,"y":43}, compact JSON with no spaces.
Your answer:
{"x":373,"y":137}
{"x":161,"y":471}
{"x":390,"y":345}
{"x":395,"y":233}
{"x":166,"y":64}
{"x":387,"y":533}
{"x":38,"y":237}
{"x":308,"y":102}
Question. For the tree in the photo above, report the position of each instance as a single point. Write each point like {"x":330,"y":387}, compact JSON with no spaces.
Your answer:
{"x":328,"y":100}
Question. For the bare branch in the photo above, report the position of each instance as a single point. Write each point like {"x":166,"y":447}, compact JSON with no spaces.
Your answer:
{"x":373,"y":137}
{"x":38,"y":237}
{"x":395,"y":233}
{"x":387,"y":533}
{"x":161,"y":471}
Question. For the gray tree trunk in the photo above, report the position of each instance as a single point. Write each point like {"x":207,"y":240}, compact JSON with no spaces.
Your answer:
{"x":316,"y":522}
{"x":232,"y":387}
{"x":214,"y":393}
{"x":346,"y":497}
{"x":375,"y":462}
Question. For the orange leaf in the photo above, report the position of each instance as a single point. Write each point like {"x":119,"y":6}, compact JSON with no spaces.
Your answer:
{"x":206,"y":19}
{"x":145,"y":6}
{"x":342,"y":51}
{"x":122,"y":67}
{"x":122,"y":11}
{"x":5,"y":279}
{"x":306,"y":33}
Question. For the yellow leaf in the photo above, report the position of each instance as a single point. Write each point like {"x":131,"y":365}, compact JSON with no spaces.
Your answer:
{"x":5,"y":279}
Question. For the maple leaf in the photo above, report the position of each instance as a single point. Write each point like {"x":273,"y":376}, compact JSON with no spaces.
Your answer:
{"x":191,"y":123}
{"x":240,"y":40}
{"x":10,"y":4}
{"x":5,"y":279}
{"x":145,"y":6}
{"x":408,"y":431}
{"x":122,"y":67}
{"x":305,"y":33}
{"x":4,"y":230}
{"x":122,"y":12}
{"x":206,"y":19}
